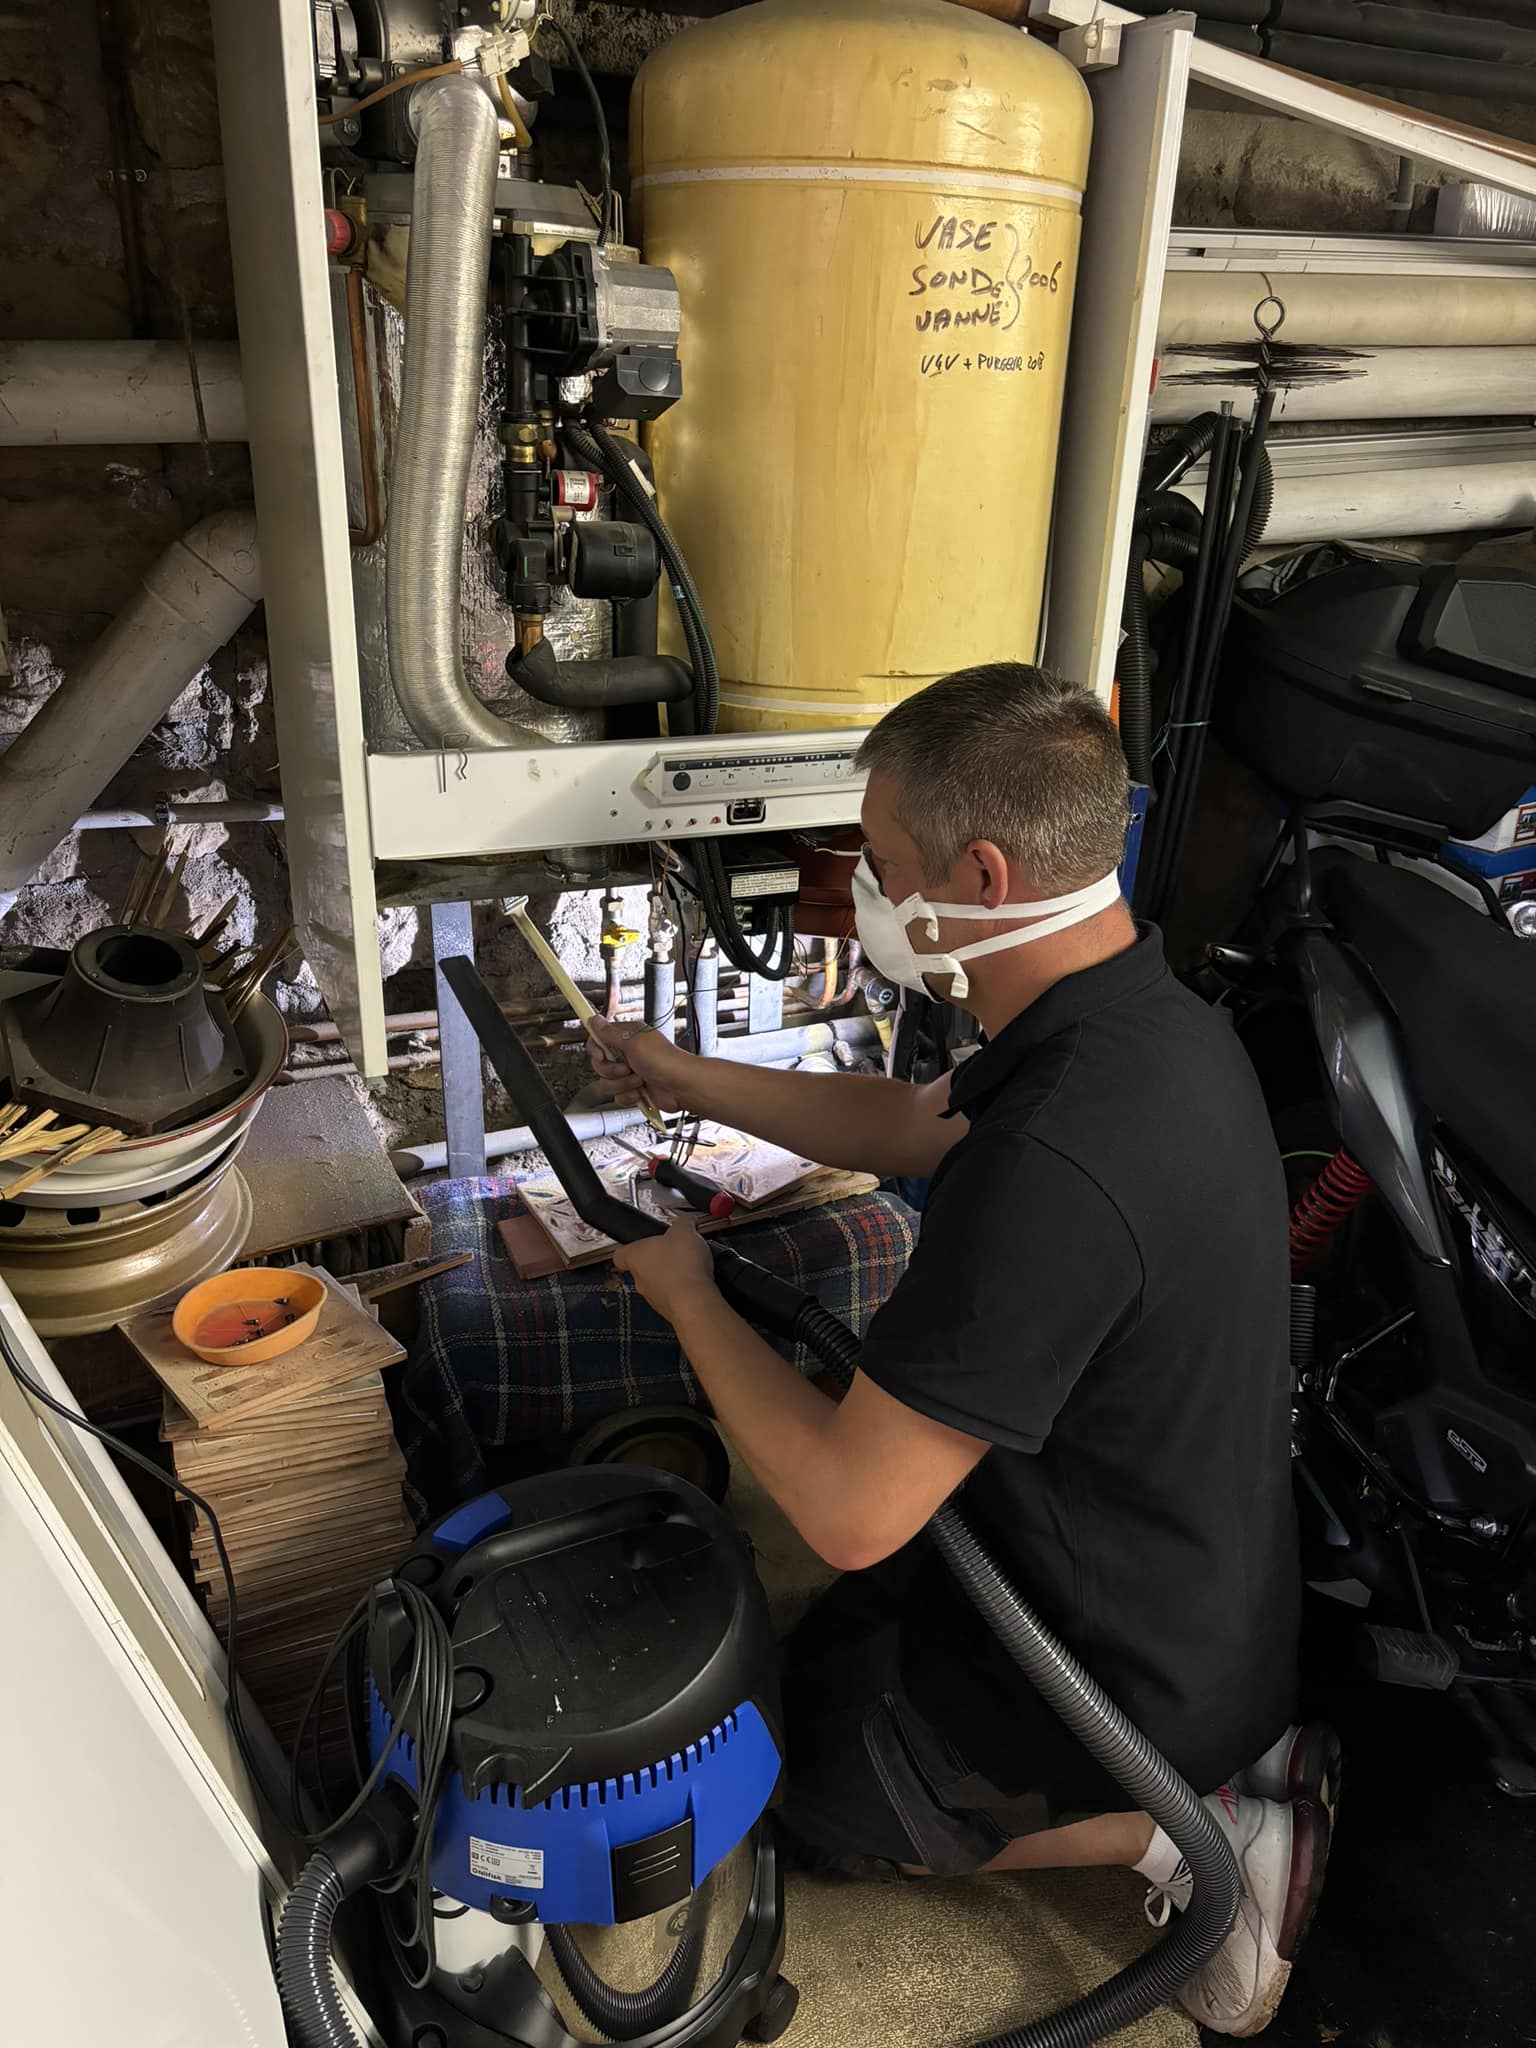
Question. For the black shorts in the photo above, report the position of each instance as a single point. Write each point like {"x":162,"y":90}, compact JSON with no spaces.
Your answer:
{"x":868,"y":1778}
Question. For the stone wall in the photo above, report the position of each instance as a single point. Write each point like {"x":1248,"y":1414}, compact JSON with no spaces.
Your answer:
{"x":102,"y":99}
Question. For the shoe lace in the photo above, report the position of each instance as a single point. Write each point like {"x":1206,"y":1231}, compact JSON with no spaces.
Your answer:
{"x":1163,"y":1896}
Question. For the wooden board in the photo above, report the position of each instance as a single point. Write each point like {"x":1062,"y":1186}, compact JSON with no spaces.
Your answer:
{"x":285,"y":1498}
{"x":535,"y":1256}
{"x":317,"y":1169}
{"x":353,"y":1400}
{"x":346,"y":1344}
{"x":298,"y":1460}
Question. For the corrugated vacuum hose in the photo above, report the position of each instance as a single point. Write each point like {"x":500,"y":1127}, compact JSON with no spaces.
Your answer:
{"x":1136,"y":1767}
{"x":306,"y":1983}
{"x":628,"y":2015}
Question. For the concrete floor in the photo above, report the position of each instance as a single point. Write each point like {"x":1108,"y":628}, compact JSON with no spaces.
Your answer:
{"x":939,"y":1965}
{"x":944,"y":1965}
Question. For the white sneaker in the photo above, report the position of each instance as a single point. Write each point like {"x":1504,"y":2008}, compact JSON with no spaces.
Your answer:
{"x":1281,"y":1853}
{"x":1303,"y":1764}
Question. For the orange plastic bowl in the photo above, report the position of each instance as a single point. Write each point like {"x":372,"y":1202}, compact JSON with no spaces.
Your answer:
{"x":249,"y":1315}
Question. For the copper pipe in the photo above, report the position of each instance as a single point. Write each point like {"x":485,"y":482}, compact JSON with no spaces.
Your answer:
{"x":367,"y":428}
{"x":829,"y":952}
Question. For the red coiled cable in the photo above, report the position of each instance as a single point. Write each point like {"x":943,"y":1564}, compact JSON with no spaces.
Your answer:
{"x":1340,"y":1188}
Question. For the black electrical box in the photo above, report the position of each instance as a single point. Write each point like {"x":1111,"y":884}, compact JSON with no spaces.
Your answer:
{"x":760,"y":877}
{"x":1398,"y":685}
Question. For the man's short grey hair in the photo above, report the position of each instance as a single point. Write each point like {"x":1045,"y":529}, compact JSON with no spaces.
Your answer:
{"x":1013,"y":754}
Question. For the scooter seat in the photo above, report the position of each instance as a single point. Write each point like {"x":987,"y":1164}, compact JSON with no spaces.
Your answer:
{"x":1463,"y":990}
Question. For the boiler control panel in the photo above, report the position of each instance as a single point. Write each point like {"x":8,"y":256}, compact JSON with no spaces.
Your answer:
{"x":697,"y":777}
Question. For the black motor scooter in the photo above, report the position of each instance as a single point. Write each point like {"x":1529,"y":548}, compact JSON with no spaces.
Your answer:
{"x":1413,"y":1254}
{"x":1391,"y":1011}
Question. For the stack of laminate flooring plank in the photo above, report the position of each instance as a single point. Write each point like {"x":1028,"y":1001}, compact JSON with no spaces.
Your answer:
{"x":297,"y":1458}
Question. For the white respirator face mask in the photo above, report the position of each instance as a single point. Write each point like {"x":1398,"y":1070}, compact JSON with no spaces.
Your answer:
{"x":882,"y":927}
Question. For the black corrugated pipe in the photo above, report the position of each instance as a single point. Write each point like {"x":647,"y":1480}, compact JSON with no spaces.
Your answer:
{"x":1135,"y":667}
{"x":601,"y":683}
{"x":1404,"y":28}
{"x":1170,"y":544}
{"x":364,"y":1851}
{"x":1172,"y":508}
{"x":1169,"y":459}
{"x":626,"y":2015}
{"x":1263,"y":500}
{"x":1405,"y":70}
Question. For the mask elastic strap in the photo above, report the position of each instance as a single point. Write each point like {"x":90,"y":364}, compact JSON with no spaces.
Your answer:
{"x":1100,"y":894}
{"x":1082,"y":904}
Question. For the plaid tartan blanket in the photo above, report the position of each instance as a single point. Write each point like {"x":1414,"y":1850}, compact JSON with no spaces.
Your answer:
{"x":500,"y":1361}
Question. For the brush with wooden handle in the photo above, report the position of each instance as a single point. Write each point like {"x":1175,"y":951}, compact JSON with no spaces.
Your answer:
{"x":516,"y":908}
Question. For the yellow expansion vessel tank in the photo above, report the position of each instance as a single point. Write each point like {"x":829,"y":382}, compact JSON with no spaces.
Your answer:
{"x":872,"y":209}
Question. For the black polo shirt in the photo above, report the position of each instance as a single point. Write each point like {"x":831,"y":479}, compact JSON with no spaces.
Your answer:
{"x":1100,"y":1292}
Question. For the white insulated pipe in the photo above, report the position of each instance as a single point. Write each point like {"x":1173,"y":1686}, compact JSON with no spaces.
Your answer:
{"x":187,"y":606}
{"x":102,"y":394}
{"x":1394,"y":504}
{"x":1205,"y":309}
{"x":213,"y":811}
{"x":1358,"y":384}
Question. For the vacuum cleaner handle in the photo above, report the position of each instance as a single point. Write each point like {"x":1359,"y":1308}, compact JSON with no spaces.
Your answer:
{"x":514,"y":1069}
{"x":754,"y":1292}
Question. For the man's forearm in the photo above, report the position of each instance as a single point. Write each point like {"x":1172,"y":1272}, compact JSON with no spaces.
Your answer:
{"x":862,"y":1122}
{"x":781,"y":1424}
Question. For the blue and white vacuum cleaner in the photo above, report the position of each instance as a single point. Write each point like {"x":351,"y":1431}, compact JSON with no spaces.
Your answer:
{"x":615,"y":1738}
{"x":567,"y":1739}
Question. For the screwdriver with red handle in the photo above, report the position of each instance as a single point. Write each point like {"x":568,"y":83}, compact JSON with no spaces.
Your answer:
{"x":707,"y":1196}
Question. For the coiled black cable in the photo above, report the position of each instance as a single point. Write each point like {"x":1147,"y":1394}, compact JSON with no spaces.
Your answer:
{"x":422,"y":1709}
{"x":373,"y":1841}
{"x":627,"y":2015}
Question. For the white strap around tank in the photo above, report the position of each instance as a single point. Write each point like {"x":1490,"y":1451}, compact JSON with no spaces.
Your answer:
{"x":950,"y":181}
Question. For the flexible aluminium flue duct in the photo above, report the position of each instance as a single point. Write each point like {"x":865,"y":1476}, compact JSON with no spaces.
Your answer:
{"x":189,"y":603}
{"x":447,"y":278}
